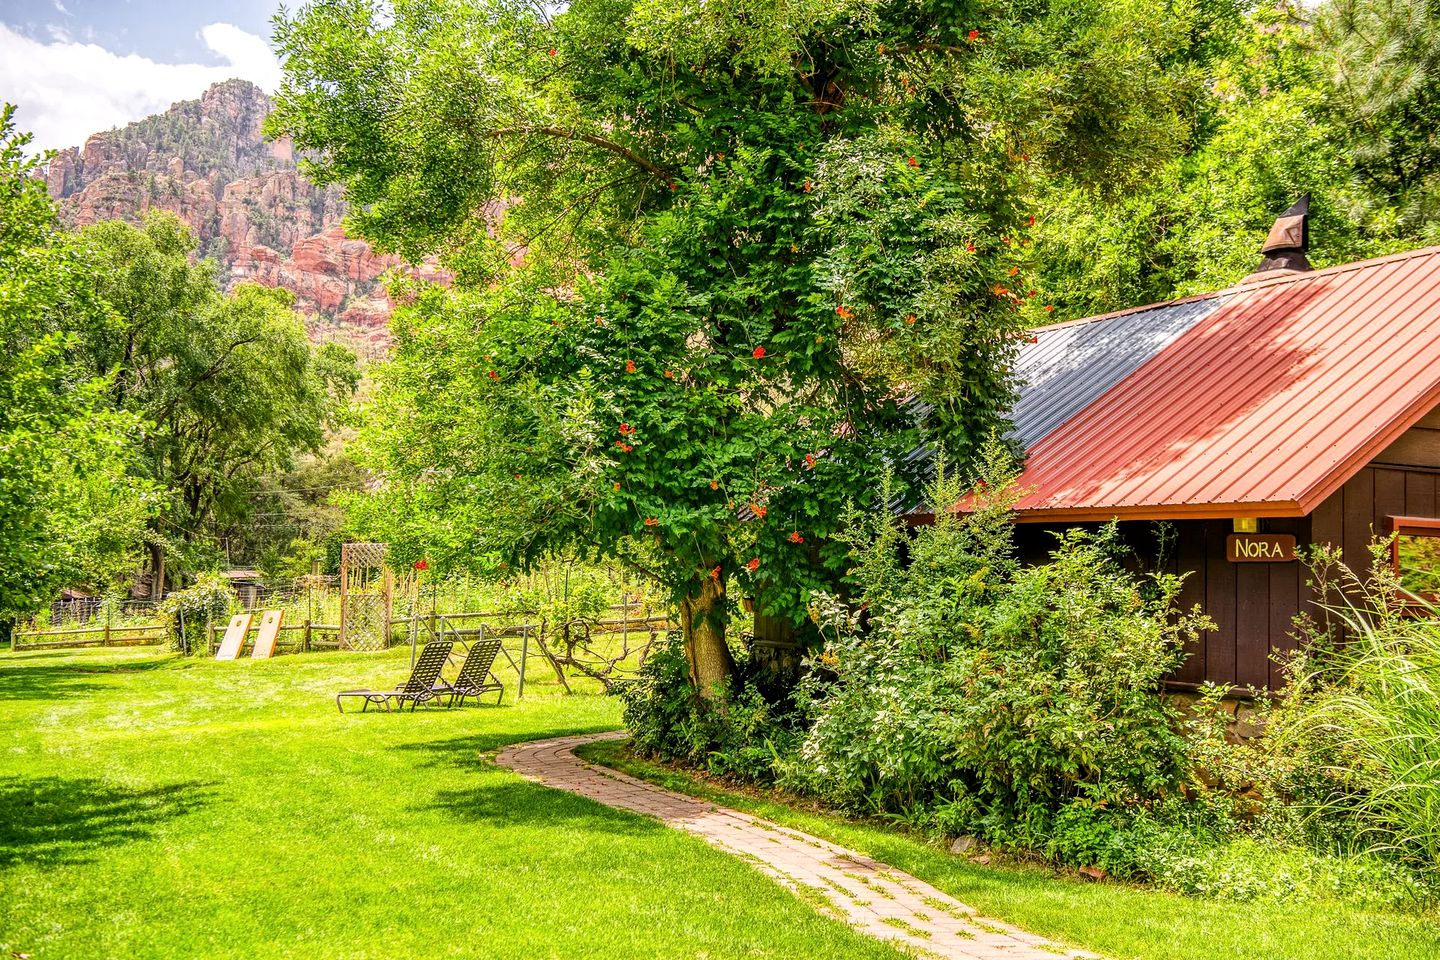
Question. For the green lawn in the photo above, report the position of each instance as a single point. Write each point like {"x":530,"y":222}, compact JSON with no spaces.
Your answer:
{"x":1116,"y":920}
{"x":151,"y":807}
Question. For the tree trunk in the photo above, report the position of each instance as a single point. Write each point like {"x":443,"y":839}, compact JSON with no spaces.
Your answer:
{"x":703,"y":616}
{"x":157,"y":571}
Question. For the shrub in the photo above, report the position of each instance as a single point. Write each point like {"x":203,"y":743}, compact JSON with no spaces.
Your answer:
{"x":742,"y":736}
{"x":186,"y":613}
{"x":990,"y":698}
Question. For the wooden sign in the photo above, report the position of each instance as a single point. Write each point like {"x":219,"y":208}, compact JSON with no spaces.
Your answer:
{"x":1260,"y":547}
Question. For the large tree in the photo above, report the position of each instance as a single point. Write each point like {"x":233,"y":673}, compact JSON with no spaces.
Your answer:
{"x":718,"y":264}
{"x":229,"y":386}
{"x":68,"y":511}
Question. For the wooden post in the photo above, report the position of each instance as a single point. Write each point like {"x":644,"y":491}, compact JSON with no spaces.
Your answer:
{"x":524,"y":654}
{"x":105,"y":637}
{"x":305,"y":638}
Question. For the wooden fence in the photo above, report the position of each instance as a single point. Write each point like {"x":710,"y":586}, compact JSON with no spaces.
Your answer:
{"x":105,"y":635}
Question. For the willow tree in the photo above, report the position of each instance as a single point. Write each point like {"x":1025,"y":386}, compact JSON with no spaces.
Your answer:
{"x":716,"y":264}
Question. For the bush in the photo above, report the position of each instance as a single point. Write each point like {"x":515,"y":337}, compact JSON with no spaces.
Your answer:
{"x":186,"y":613}
{"x":743,"y":736}
{"x":988,"y":698}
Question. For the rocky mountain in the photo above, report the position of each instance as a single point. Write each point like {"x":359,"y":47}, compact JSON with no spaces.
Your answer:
{"x":254,"y":213}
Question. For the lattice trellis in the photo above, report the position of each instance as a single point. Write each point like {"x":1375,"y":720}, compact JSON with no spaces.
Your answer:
{"x":366,"y":591}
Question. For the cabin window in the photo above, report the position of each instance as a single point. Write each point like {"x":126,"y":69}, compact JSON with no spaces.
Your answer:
{"x":1415,"y":553}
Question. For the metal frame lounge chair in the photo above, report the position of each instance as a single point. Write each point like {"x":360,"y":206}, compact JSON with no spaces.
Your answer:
{"x":476,"y":675}
{"x":424,"y":683}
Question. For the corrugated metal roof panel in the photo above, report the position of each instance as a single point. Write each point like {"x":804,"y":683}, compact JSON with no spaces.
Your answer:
{"x":1069,"y":365}
{"x":1263,"y":406}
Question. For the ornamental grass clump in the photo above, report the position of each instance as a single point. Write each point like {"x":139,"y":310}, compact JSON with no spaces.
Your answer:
{"x":1356,"y":741}
{"x":972,"y":694}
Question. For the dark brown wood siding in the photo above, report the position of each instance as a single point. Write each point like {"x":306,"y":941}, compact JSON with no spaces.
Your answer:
{"x":1254,"y":605}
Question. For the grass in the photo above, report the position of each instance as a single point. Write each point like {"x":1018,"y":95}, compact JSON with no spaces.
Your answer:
{"x":152,"y":807}
{"x":1113,"y":919}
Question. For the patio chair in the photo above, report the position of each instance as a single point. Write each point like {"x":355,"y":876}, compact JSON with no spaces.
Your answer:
{"x":422,"y":686}
{"x":476,"y":675}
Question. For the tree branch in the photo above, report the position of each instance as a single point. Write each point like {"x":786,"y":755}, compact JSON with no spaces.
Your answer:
{"x":594,"y":141}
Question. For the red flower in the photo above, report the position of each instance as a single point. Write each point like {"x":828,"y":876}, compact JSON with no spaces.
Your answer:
{"x":1014,"y":270}
{"x":626,"y":429}
{"x":669,"y":374}
{"x":970,"y":247}
{"x":672,"y":185}
{"x":421,"y":565}
{"x":758,"y":353}
{"x":624,"y":447}
{"x":810,"y":461}
{"x":999,"y":291}
{"x":715,"y":574}
{"x":910,"y":318}
{"x":1005,"y":240}
{"x":552,"y":51}
{"x":651,"y":521}
{"x":714,"y":485}
{"x":493,"y":375}
{"x":845,"y":312}
{"x":795,"y":537}
{"x":517,"y":476}
{"x":913,"y":162}
{"x":1049,"y":308}
{"x":753,"y":565}
{"x":806,"y":188}
{"x":973,"y":35}
{"x":617,"y":485}
{"x":758,"y":510}
{"x":629,"y":366}
{"x":1031,"y":221}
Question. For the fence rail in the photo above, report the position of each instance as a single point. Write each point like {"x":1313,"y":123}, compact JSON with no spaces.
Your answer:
{"x":105,"y":636}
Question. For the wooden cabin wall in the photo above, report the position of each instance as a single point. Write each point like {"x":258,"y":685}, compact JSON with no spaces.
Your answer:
{"x":1254,"y":604}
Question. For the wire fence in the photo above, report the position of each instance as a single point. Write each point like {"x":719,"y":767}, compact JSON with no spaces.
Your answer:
{"x":581,"y":642}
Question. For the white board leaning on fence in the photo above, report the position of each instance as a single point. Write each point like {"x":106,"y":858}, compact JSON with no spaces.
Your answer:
{"x":234,"y":637}
{"x":269,"y":632}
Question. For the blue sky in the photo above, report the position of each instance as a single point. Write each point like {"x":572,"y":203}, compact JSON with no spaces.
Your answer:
{"x":76,"y":67}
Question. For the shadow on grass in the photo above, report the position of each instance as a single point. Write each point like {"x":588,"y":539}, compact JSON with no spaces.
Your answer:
{"x":54,"y":820}
{"x":510,"y":801}
{"x":520,"y":803}
{"x":50,"y":682}
{"x":464,"y":752}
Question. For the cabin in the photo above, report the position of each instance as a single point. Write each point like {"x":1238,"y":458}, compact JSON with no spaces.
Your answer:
{"x":1298,"y":407}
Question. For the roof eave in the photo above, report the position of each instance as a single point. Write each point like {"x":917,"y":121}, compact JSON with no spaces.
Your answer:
{"x":1160,"y":511}
{"x":1362,"y":456}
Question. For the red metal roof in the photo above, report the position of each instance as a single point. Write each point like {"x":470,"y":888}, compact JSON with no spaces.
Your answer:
{"x":1262,"y":408}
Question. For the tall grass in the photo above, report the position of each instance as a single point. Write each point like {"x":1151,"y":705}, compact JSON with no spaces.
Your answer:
{"x":1365,"y":706}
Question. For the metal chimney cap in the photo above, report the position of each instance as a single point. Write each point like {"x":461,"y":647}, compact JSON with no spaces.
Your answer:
{"x":1284,"y":249}
{"x":1292,"y":230}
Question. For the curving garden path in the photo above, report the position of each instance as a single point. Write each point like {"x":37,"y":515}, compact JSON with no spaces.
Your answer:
{"x":872,"y":896}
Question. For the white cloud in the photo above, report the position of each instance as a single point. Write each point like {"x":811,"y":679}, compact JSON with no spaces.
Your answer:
{"x":68,"y":90}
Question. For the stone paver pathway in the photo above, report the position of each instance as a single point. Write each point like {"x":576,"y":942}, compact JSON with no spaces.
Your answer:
{"x":872,"y":896}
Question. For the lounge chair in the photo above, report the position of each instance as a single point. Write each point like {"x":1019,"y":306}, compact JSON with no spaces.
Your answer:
{"x":423,"y":684}
{"x":476,"y":676}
